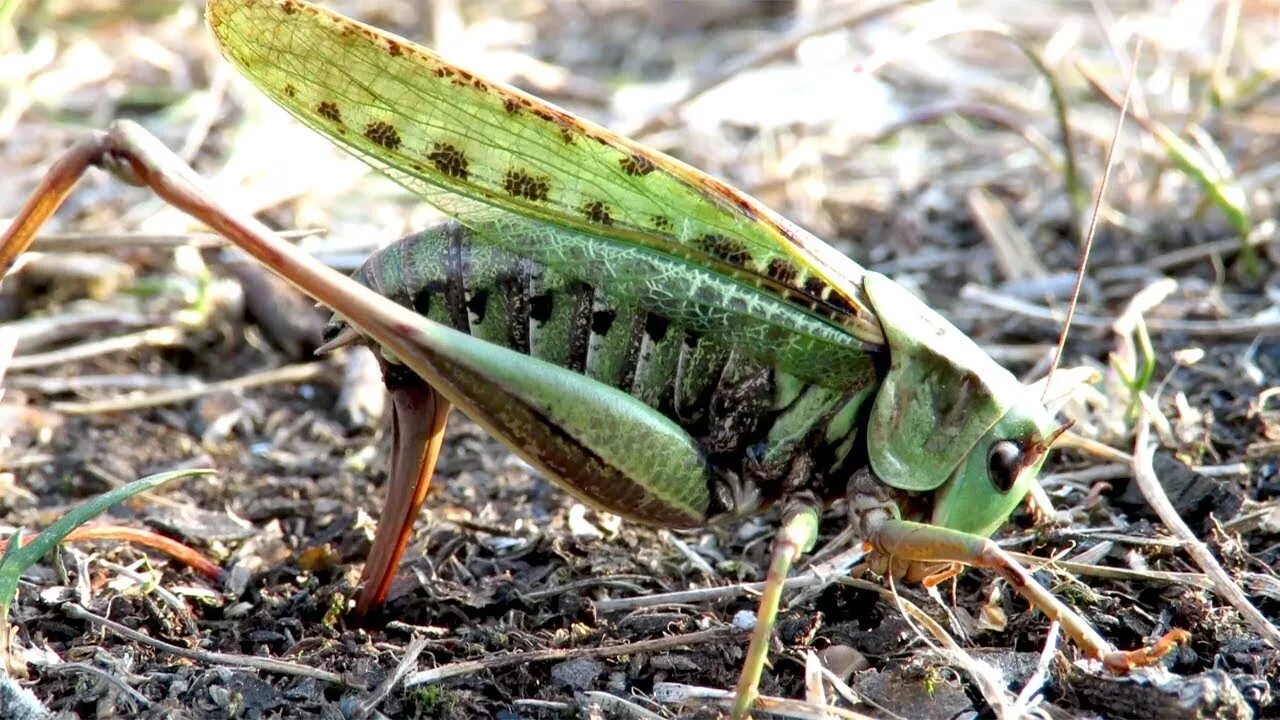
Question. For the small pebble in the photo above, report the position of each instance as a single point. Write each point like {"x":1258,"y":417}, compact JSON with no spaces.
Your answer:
{"x":744,"y":620}
{"x":579,"y":674}
{"x":843,"y":661}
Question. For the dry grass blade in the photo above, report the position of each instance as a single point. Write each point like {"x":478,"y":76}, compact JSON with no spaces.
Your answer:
{"x":817,"y":576}
{"x":699,"y":697}
{"x":1223,"y":584}
{"x":186,"y":555}
{"x":621,"y":706}
{"x":271,"y":665}
{"x":1014,"y":253}
{"x":434,"y":675}
{"x":41,"y":331}
{"x":300,"y":373}
{"x":1264,"y":324}
{"x":371,"y":703}
{"x":154,"y":337}
{"x":1029,"y":697}
{"x":1195,"y":580}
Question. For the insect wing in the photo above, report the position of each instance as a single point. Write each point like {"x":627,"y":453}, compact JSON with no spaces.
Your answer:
{"x":497,"y":158}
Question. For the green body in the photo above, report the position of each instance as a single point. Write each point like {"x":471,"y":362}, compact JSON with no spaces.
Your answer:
{"x":765,"y":399}
{"x":745,"y":360}
{"x":762,"y":389}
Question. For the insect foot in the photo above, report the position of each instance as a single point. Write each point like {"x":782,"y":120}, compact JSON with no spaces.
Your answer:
{"x":905,"y":541}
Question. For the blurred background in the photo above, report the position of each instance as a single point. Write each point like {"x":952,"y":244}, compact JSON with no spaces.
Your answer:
{"x":847,"y":117}
{"x":861,"y":121}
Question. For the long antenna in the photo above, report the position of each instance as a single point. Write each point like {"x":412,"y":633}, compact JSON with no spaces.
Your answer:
{"x":1087,"y":246}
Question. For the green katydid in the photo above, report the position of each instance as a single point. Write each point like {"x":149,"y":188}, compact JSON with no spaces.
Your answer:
{"x":661,"y":345}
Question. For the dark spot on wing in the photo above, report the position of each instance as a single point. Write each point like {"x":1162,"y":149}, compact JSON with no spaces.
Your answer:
{"x":289,"y":7}
{"x":830,"y":301}
{"x":394,"y":48}
{"x":782,"y":271}
{"x":816,"y":286}
{"x":383,"y":134}
{"x":444,"y":71}
{"x":838,"y":301}
{"x":449,"y":160}
{"x":461,"y":77}
{"x":661,"y":222}
{"x":636,"y":165}
{"x":730,"y":250}
{"x":290,"y":91}
{"x":511,"y":105}
{"x":521,"y":184}
{"x":328,"y":110}
{"x":597,"y":212}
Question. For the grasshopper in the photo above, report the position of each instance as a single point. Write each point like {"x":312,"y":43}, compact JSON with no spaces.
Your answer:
{"x":659,"y":344}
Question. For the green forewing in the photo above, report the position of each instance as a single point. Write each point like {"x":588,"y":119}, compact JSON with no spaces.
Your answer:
{"x":501,"y":161}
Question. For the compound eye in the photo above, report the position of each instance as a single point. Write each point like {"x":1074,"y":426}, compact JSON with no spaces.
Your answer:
{"x":1004,"y":461}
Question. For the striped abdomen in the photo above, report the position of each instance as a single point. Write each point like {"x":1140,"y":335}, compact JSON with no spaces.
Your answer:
{"x":675,"y":336}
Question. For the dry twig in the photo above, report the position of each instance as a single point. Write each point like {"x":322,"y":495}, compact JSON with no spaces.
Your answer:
{"x":271,"y":665}
{"x":300,"y":373}
{"x":1145,"y":475}
{"x":702,"y":637}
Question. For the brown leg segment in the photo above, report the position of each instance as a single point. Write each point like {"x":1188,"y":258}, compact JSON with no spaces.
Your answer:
{"x":136,"y":156}
{"x":418,"y":418}
{"x":48,"y":196}
{"x":911,"y":541}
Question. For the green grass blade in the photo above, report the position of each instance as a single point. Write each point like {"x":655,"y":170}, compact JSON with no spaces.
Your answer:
{"x":18,"y":558}
{"x":1225,"y":195}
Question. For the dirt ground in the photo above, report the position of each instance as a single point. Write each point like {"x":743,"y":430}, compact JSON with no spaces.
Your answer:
{"x":922,"y":141}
